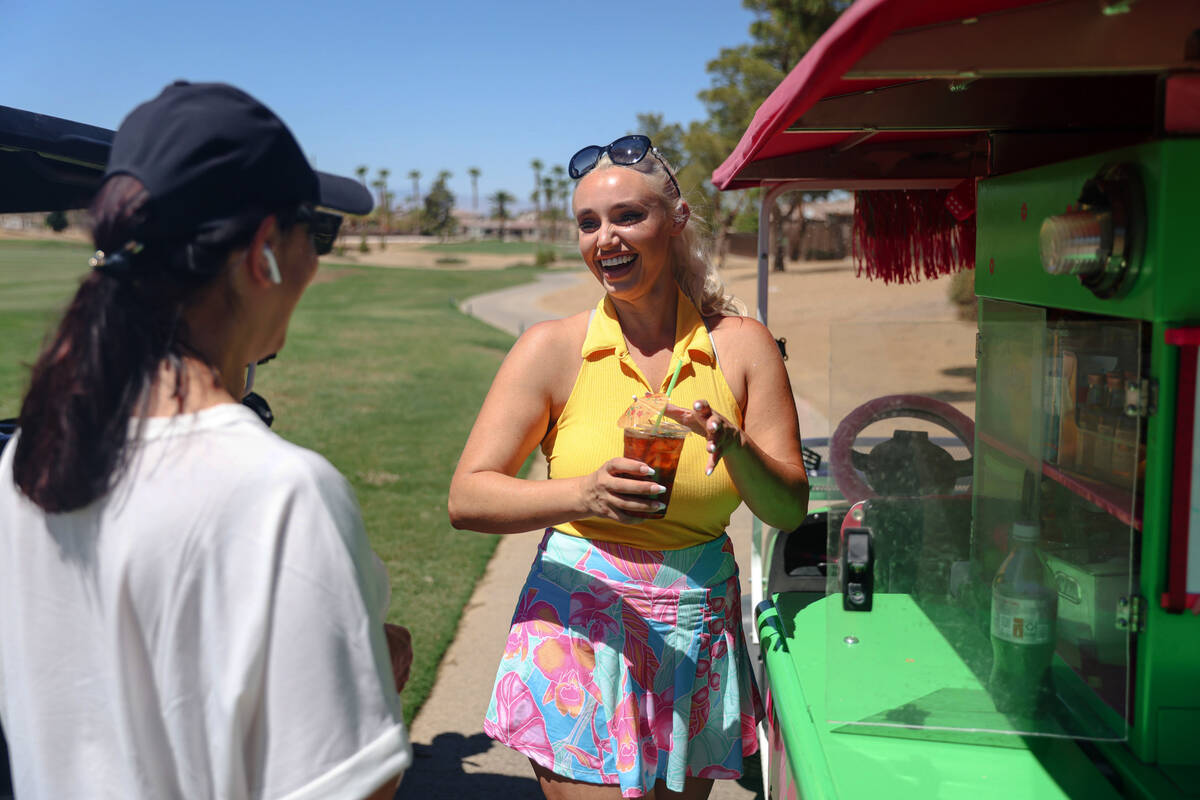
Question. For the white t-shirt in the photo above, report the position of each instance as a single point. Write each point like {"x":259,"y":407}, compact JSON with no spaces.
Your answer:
{"x":210,"y":628}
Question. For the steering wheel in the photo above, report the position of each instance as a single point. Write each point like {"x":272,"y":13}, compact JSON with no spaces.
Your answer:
{"x":845,"y":463}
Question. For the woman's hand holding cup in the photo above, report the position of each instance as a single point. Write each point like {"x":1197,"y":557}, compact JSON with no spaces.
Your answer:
{"x":610,"y":494}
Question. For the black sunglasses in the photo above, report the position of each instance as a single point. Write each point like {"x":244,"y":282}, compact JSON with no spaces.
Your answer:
{"x":626,"y":151}
{"x":322,"y":227}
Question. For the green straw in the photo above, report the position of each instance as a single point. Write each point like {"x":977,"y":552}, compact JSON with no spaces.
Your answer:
{"x":670,"y":386}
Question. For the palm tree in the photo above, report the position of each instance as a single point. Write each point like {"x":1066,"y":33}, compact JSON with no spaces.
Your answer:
{"x":414,"y":175}
{"x":384,"y":172}
{"x":361,"y":172}
{"x":548,"y":199}
{"x":562,"y":187}
{"x":380,"y":187}
{"x":500,"y":201}
{"x":384,"y":207}
{"x":537,"y":166}
{"x":474,"y":172}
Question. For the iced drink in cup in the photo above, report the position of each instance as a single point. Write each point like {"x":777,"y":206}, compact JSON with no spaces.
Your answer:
{"x":657,"y":446}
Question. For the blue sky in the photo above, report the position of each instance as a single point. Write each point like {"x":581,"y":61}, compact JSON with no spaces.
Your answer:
{"x":403,"y":85}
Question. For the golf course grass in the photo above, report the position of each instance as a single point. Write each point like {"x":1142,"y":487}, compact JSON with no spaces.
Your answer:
{"x":381,"y":374}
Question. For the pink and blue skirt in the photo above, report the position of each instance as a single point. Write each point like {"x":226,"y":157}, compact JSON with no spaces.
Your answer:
{"x":627,"y":666}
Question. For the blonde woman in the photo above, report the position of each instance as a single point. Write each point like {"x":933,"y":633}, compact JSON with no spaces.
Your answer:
{"x":626,"y":671}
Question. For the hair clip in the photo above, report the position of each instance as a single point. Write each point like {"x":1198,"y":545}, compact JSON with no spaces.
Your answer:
{"x":116,"y":263}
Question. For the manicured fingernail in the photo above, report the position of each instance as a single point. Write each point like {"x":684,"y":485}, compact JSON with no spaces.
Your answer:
{"x":697,"y":405}
{"x":709,"y":470}
{"x":659,"y":506}
{"x":659,"y":489}
{"x":712,"y":448}
{"x":648,"y":470}
{"x":712,"y":426}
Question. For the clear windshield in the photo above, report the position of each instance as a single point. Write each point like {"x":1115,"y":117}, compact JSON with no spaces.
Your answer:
{"x":977,"y":583}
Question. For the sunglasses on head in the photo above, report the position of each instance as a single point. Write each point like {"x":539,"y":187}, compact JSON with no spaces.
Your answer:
{"x":322,"y":227}
{"x":626,"y":151}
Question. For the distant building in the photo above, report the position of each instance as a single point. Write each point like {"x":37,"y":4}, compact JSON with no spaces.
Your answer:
{"x":22,"y":222}
{"x":823,"y":232}
{"x":34,"y":224}
{"x":473,"y":225}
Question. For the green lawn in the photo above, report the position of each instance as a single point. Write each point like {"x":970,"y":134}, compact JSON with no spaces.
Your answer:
{"x":494,"y":247}
{"x":382,"y":375}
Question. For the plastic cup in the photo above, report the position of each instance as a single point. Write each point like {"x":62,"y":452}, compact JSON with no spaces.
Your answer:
{"x":657,"y":447}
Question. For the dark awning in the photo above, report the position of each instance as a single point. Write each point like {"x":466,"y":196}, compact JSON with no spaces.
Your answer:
{"x":917,"y":94}
{"x":47,"y":163}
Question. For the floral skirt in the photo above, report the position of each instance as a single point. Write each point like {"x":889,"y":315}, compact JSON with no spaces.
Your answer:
{"x":627,"y":666}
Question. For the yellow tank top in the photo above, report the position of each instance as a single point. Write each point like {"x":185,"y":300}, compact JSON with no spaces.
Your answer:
{"x":586,"y":434}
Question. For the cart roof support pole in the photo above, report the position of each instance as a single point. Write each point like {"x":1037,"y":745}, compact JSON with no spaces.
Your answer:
{"x":770,"y":193}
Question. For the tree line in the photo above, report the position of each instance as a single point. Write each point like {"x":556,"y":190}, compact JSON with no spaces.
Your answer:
{"x":431,"y":217}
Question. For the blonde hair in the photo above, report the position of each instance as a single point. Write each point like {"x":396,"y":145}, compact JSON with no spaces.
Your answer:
{"x":690,"y":252}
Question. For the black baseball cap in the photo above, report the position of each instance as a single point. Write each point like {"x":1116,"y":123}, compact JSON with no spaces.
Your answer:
{"x":208,"y":152}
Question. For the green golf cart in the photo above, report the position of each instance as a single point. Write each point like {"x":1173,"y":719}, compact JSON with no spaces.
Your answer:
{"x":998,"y":596}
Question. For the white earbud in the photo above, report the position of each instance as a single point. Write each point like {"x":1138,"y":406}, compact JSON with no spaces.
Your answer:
{"x":272,"y":266}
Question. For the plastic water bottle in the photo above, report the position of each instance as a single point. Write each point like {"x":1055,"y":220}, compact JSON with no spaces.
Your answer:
{"x":1024,"y":610}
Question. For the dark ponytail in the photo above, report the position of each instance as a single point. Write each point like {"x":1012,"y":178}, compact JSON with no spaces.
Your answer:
{"x":119,"y":329}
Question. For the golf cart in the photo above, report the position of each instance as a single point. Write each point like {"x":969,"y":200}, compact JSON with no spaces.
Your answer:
{"x":1010,"y":611}
{"x":47,"y":164}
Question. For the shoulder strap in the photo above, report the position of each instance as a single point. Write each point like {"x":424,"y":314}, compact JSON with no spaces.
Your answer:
{"x":712,"y":341}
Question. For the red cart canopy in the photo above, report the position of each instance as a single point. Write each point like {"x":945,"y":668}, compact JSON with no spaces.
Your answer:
{"x":921,"y":94}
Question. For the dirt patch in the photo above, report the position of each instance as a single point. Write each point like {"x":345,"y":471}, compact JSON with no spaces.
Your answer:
{"x":378,"y":478}
{"x":329,"y":274}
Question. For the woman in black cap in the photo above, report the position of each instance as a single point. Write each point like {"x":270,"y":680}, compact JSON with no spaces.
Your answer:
{"x":188,"y":603}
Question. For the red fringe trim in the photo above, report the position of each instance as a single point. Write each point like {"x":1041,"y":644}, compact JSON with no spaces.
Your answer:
{"x":901,"y":235}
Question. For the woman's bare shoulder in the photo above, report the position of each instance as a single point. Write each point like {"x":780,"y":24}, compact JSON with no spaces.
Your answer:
{"x":549,"y":347}
{"x":746,"y":350}
{"x":554,"y":336}
{"x":546,"y":357}
{"x":743,"y":334}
